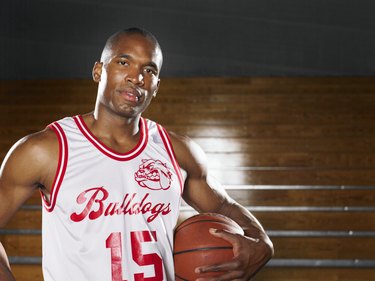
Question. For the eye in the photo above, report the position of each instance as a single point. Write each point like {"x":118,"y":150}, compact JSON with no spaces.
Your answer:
{"x":123,"y":62}
{"x":151,"y":71}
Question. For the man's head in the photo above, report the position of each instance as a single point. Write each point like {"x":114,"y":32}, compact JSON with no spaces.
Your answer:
{"x":114,"y":39}
{"x":128,"y":72}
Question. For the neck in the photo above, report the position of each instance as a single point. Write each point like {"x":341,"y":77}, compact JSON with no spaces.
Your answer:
{"x":106,"y":120}
{"x":117,"y":132}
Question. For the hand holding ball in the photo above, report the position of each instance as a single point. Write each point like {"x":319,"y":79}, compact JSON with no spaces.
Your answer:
{"x":195,"y":246}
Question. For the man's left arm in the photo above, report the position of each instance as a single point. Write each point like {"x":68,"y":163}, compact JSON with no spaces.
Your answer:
{"x":251,"y":251}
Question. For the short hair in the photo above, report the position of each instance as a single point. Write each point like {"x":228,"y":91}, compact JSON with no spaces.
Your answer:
{"x":140,"y":31}
{"x":112,"y":40}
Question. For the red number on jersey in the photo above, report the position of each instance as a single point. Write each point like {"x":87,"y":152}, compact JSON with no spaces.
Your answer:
{"x":114,"y":242}
{"x":138,"y":237}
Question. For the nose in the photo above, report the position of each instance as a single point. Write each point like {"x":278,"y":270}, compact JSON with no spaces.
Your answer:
{"x":135,"y":76}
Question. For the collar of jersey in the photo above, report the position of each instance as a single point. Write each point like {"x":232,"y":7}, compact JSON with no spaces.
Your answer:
{"x":108,"y":151}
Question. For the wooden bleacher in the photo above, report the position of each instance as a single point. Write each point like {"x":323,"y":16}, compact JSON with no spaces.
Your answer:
{"x":299,"y":153}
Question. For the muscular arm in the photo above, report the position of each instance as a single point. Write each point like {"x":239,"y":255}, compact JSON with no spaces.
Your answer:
{"x":27,"y":165}
{"x":205,"y":194}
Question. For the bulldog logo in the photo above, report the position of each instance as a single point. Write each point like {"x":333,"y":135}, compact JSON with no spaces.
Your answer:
{"x":154,"y":175}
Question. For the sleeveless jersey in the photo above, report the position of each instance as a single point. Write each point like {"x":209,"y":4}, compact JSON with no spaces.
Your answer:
{"x":111,"y":216}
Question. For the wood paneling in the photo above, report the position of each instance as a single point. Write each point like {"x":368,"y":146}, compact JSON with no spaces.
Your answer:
{"x":313,"y":220}
{"x":26,"y":272}
{"x":26,"y":219}
{"x":287,"y":248}
{"x":317,"y":131}
{"x":22,"y":245}
{"x":251,"y":196}
{"x":34,"y":273}
{"x":314,"y":274}
{"x":255,"y":131}
{"x":271,"y":220}
{"x":304,"y":197}
{"x":324,"y":247}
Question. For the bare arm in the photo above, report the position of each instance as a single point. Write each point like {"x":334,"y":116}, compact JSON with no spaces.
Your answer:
{"x":205,"y":194}
{"x":5,"y":273}
{"x":27,"y":165}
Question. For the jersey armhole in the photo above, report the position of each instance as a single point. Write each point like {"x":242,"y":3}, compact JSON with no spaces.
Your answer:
{"x":168,"y":146}
{"x":61,"y":167}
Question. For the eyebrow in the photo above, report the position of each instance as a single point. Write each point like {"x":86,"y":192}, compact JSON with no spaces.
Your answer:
{"x":125,"y":56}
{"x":129,"y":57}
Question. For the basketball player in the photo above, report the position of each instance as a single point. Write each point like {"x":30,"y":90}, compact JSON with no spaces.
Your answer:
{"x":112,"y":181}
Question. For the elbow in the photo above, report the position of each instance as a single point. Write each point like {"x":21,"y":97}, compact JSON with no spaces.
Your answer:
{"x":269,"y":248}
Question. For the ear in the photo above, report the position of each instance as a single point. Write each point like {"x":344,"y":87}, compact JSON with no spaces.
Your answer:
{"x":157,"y":89}
{"x":97,"y":71}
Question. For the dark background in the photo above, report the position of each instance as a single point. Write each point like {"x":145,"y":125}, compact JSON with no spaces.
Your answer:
{"x":43,"y":39}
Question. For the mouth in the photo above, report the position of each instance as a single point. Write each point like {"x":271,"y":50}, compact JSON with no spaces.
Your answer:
{"x":130,"y":94}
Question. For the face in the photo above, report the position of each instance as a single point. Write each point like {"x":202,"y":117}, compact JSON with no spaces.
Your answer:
{"x":128,"y":76}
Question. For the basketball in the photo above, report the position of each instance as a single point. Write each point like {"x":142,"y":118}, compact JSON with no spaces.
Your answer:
{"x":194,"y":246}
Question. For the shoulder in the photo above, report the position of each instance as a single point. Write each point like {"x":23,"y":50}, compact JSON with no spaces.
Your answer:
{"x":32,"y":155}
{"x":38,"y":144}
{"x":189,"y":154}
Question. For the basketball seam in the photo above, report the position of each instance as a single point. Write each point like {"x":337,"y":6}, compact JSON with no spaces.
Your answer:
{"x":203,"y":249}
{"x":200,"y":221}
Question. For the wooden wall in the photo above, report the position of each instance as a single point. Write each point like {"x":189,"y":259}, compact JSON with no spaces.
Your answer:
{"x":297,"y":152}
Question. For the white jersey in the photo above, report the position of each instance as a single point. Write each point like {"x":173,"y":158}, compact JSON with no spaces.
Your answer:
{"x":111,"y":216}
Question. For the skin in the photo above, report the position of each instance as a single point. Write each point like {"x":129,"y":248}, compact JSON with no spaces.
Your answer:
{"x":128,"y":79}
{"x":5,"y":273}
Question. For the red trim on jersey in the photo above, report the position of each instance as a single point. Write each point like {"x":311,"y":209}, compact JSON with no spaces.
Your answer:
{"x":61,"y":166}
{"x":143,"y":139}
{"x":168,"y":145}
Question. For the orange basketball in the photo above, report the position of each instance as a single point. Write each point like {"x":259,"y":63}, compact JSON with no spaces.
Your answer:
{"x":194,"y":246}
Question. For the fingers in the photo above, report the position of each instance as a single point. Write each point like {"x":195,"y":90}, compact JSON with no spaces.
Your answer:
{"x":230,"y":237}
{"x":238,"y":267}
{"x":230,"y":270}
{"x":226,"y":276}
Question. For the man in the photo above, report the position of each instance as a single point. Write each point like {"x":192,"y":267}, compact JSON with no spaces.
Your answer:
{"x":112,"y":181}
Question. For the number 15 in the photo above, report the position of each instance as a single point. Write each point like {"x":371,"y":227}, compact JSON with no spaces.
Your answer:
{"x":114,"y":242}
